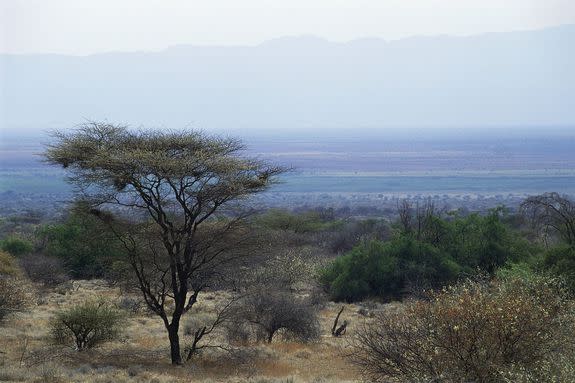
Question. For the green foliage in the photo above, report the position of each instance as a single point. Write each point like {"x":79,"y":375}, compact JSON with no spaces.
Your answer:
{"x":86,"y":325}
{"x":510,"y":329}
{"x":522,"y":270}
{"x":560,"y":261}
{"x":385,"y":269}
{"x":84,"y":244}
{"x":426,"y":255}
{"x":16,"y":246}
{"x":485,"y":242}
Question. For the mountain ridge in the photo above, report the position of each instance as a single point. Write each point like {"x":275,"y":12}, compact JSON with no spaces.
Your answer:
{"x":514,"y":78}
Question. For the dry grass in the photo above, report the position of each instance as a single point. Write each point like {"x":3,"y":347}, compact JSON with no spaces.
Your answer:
{"x":141,"y":354}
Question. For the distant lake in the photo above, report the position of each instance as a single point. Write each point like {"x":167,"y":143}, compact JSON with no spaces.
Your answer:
{"x":53,"y":181}
{"x":482,"y":164}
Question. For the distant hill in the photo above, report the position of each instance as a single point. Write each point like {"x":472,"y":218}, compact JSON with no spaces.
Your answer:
{"x":493,"y":79}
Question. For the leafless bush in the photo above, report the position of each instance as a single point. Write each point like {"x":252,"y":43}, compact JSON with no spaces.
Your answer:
{"x":201,"y":328}
{"x":552,"y":214}
{"x":270,"y":312}
{"x":239,"y":331}
{"x":133,"y":305}
{"x":474,"y":332}
{"x":43,"y":269}
{"x":423,"y":221}
{"x":288,"y":271}
{"x":353,"y":232}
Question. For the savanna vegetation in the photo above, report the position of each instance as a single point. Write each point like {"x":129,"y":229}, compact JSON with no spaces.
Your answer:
{"x":162,"y":270}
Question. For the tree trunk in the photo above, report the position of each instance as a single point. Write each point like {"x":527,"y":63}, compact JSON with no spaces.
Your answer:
{"x":175,"y":343}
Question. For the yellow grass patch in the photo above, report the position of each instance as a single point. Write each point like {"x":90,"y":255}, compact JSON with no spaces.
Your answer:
{"x":141,"y":354}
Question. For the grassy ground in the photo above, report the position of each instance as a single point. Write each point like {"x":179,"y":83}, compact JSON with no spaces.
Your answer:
{"x":141,"y":353}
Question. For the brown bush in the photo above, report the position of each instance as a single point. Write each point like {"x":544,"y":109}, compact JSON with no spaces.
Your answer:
{"x":474,"y":332}
{"x":8,"y":265}
{"x":266,"y":313}
{"x":13,"y":288}
{"x":13,"y":295}
{"x":44,"y":269}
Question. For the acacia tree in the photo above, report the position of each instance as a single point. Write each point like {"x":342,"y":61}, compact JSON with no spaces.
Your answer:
{"x":168,"y":196}
{"x":552,"y":213}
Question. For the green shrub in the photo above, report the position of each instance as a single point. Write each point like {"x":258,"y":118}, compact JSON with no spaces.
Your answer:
{"x":86,"y":325}
{"x":473,"y":332}
{"x":522,"y":270}
{"x":560,"y":261}
{"x":16,"y":246}
{"x":381,"y":269}
{"x":485,"y":242}
{"x":428,"y":254}
{"x":84,"y":245}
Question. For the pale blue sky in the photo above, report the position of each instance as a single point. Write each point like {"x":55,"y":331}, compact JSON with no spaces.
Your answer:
{"x":91,"y":26}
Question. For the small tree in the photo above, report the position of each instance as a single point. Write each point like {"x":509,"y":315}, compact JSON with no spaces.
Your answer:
{"x":424,"y":221}
{"x":179,"y":190}
{"x":86,"y":325}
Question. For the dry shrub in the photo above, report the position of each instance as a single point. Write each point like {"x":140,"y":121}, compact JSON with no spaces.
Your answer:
{"x":289,"y":270}
{"x":49,"y":373}
{"x":14,"y":374}
{"x":198,"y":321}
{"x":8,"y":265}
{"x":14,"y":290}
{"x":13,"y":295}
{"x":270,"y":312}
{"x":473,"y":332}
{"x":133,"y":305}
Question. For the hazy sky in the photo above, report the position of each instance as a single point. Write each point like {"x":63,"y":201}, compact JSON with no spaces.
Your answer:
{"x":89,"y":26}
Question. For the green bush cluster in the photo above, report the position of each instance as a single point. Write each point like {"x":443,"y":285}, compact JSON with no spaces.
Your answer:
{"x":385,"y":269}
{"x":83,"y":243}
{"x":433,"y":256}
{"x":559,"y":261}
{"x":16,"y":246}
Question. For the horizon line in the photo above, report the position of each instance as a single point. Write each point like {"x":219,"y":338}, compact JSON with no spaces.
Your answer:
{"x":291,"y":37}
